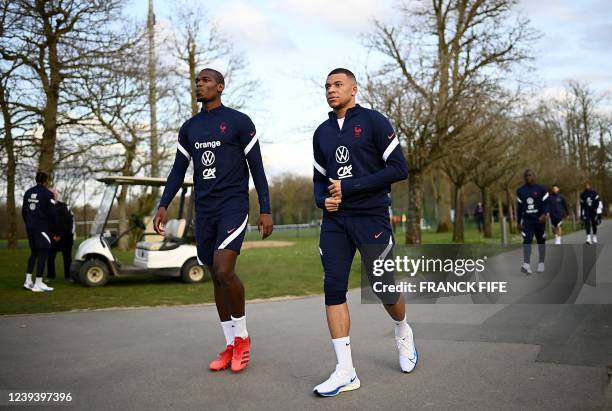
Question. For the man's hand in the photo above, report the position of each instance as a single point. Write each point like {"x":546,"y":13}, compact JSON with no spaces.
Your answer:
{"x":335,"y":189}
{"x":265,"y":225}
{"x":542,"y":218}
{"x":332,"y":204}
{"x":159,"y":221}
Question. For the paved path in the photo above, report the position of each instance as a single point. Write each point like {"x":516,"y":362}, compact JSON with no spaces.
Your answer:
{"x":471,"y":357}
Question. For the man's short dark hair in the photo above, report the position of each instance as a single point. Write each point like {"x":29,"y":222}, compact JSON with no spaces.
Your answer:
{"x":556,"y":185}
{"x":340,"y":70}
{"x":41,"y":177}
{"x":217,"y":75}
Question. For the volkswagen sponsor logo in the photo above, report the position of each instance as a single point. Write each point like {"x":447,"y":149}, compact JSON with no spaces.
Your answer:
{"x":208,"y":158}
{"x":342,"y":155}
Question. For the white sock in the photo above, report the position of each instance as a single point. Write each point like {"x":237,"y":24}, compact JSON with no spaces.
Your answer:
{"x":28,"y":278}
{"x":228,"y":331}
{"x":240,"y":329}
{"x":38,"y":281}
{"x":342,"y":346}
{"x":589,"y":237}
{"x":594,"y":238}
{"x":557,"y":239}
{"x":402,"y":329}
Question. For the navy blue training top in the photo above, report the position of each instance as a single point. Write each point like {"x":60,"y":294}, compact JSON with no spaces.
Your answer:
{"x":531,"y":202}
{"x":589,"y":203}
{"x":558,"y":206}
{"x":365,"y":155}
{"x":37,"y":208}
{"x":221,"y":142}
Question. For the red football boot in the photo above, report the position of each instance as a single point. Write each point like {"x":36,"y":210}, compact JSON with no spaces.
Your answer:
{"x":223,"y":361}
{"x":242,"y":353}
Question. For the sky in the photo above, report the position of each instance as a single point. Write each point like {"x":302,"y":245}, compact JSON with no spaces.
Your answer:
{"x":291,"y":45}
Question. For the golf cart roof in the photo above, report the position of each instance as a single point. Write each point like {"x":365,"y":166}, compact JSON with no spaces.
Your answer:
{"x":138,"y":181}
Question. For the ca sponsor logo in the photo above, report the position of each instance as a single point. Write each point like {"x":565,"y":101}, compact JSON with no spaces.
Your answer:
{"x":345,"y":172}
{"x":209,"y":173}
{"x":207,"y":144}
{"x":342,"y":155}
{"x":208,"y":158}
{"x":34,"y":195}
{"x":530,"y":205}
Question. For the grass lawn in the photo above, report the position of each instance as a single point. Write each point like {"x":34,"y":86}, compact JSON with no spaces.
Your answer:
{"x":266,"y":272}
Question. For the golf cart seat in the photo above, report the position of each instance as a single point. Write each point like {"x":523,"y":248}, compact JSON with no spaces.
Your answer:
{"x":172,"y":239}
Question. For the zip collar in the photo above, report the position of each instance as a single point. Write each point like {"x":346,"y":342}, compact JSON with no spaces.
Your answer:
{"x":349,"y":113}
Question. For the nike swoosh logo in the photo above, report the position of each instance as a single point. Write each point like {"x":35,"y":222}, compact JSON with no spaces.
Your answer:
{"x":230,"y":231}
{"x":378,"y":235}
{"x":252,"y":134}
{"x":391,"y":136}
{"x":354,"y":378}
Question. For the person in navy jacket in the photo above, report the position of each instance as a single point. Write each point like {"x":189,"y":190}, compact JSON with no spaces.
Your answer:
{"x":532,"y":209}
{"x":39,"y":218}
{"x":357,"y":157}
{"x":558,"y":211}
{"x":224,"y":146}
{"x":590,"y":212}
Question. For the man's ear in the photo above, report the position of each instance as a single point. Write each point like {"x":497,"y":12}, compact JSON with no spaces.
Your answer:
{"x":355,"y":90}
{"x":220,"y":88}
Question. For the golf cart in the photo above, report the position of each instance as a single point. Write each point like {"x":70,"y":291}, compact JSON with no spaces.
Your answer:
{"x":172,"y":255}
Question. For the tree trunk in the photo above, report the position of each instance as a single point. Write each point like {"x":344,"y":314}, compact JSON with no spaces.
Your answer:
{"x":458,"y":226}
{"x":11,"y":164}
{"x":444,"y":203}
{"x":511,"y":212}
{"x":153,"y":92}
{"x":500,"y":212}
{"x":51,"y":87}
{"x":192,"y":79}
{"x":415,"y":204}
{"x":487,"y":212}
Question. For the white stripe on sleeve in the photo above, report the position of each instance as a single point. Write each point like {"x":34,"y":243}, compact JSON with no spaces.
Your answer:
{"x":394,"y":143}
{"x":319,"y":168}
{"x":183,"y":151}
{"x":250,"y":145}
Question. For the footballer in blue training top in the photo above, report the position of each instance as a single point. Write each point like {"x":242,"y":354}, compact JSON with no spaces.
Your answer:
{"x":223,"y":145}
{"x":357,"y":157}
{"x":532,"y":209}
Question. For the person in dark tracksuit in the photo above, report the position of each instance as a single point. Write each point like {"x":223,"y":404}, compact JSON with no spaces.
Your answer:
{"x":479,"y":216}
{"x":37,"y":213}
{"x":532,"y":209}
{"x":357,"y":157}
{"x":558,"y":211}
{"x":65,"y":230}
{"x":590,"y":212}
{"x":223,"y":146}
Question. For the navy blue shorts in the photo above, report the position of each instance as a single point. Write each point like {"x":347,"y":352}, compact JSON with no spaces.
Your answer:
{"x":533,"y":228}
{"x":39,"y":238}
{"x":225,"y":232}
{"x":340,"y":237}
{"x":555,"y":221}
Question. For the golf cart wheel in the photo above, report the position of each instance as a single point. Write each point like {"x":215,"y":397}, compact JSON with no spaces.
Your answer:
{"x":94,"y":273}
{"x":192,"y":272}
